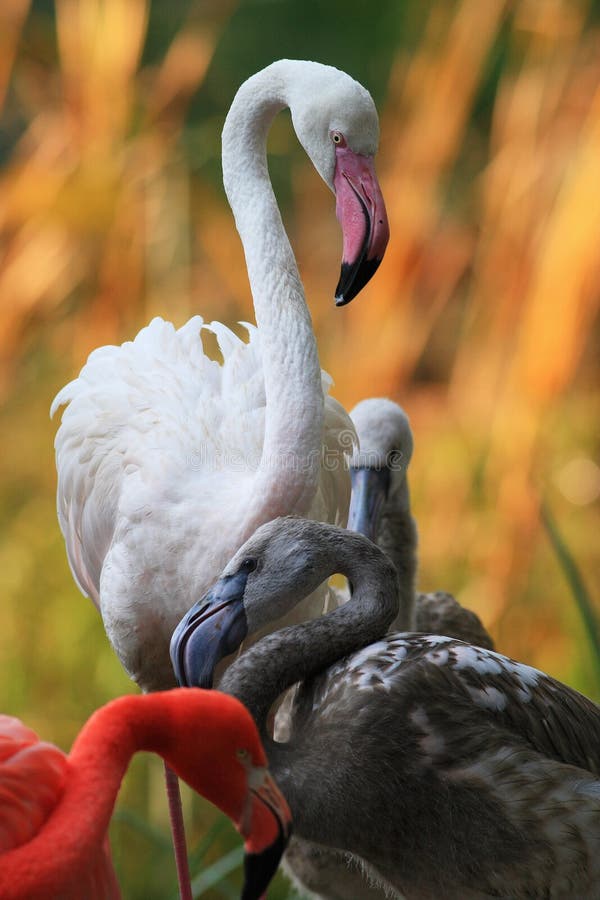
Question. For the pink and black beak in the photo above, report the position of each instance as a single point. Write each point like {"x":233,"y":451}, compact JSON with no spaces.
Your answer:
{"x":361,"y":213}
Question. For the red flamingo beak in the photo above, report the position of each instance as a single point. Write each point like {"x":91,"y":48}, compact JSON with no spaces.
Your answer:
{"x":266,"y":825}
{"x":361,"y":212}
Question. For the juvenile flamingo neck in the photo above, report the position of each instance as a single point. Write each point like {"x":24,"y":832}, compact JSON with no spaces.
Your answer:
{"x":397,"y":537}
{"x":67,"y":846}
{"x":289,"y":469}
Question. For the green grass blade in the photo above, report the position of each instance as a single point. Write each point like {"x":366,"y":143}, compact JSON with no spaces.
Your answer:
{"x":137,"y":823}
{"x":212,"y":875}
{"x":575,"y":581}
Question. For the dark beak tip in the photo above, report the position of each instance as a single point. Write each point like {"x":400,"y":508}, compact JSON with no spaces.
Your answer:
{"x":353,"y":278}
{"x":259,"y":869}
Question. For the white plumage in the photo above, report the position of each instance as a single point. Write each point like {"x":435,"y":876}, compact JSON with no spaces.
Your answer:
{"x":158,"y":447}
{"x":156,"y":419}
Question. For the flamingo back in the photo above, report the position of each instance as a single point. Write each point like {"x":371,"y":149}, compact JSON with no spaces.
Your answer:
{"x":157,"y":454}
{"x":32,"y":774}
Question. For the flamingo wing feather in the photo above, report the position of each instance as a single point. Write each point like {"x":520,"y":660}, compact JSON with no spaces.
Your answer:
{"x":158,"y":405}
{"x":32,"y":774}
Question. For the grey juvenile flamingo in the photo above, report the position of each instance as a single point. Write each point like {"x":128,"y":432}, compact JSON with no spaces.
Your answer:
{"x":447,"y":769}
{"x":380,"y":509}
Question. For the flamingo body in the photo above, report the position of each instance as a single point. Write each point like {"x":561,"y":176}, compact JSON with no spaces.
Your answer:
{"x":167,"y":461}
{"x":32,"y":773}
{"x":153,"y":431}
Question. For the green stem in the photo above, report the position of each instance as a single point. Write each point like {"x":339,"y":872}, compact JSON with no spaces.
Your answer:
{"x":575,"y":581}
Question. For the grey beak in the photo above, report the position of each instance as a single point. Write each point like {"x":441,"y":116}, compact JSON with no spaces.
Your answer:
{"x":213,"y":628}
{"x":370,"y":489}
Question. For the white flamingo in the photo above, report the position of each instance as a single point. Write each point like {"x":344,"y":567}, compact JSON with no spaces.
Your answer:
{"x":168,"y":461}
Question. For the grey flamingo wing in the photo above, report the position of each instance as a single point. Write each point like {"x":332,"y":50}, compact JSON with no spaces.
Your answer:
{"x":489,"y":763}
{"x":449,"y":678}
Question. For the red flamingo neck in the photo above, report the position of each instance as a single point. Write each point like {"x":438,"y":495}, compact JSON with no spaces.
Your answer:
{"x":69,"y":845}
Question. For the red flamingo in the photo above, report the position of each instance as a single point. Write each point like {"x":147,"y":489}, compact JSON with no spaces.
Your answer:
{"x":55,"y":808}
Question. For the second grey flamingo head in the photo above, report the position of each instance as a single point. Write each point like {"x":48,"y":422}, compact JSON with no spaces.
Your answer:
{"x":378,"y":468}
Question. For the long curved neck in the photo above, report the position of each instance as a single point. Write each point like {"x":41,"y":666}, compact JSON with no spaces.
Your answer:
{"x":397,"y":537}
{"x":294,"y":654}
{"x":67,"y":847}
{"x":288,"y":473}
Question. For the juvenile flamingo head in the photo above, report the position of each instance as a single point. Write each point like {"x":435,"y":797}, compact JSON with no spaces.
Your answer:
{"x":276,"y":568}
{"x":380,"y":461}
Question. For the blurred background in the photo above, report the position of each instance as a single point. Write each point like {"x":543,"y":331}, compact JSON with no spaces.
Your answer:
{"x":482,"y":320}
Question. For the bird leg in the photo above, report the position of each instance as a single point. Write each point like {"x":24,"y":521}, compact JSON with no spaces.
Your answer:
{"x":178,"y":834}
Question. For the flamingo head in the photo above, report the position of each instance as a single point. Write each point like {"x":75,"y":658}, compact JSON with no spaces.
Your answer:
{"x":222,"y":758}
{"x":336,"y":122}
{"x":380,"y":461}
{"x":275,"y":569}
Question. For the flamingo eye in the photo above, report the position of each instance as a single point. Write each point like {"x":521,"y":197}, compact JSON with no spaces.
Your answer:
{"x":249,"y":565}
{"x":338,"y":138}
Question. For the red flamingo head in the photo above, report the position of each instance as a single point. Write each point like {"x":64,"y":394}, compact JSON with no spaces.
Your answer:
{"x":213,"y":744}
